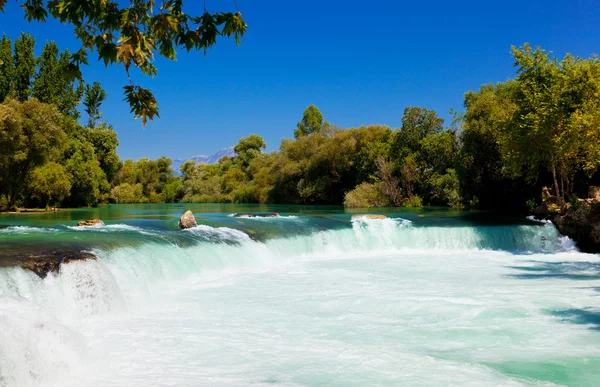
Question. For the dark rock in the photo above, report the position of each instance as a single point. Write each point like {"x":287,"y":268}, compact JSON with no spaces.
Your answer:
{"x":44,"y":262}
{"x":187,"y":220}
{"x":90,"y":222}
{"x":582,"y":224}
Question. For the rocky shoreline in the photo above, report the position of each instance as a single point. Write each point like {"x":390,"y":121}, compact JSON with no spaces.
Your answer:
{"x":579,"y":220}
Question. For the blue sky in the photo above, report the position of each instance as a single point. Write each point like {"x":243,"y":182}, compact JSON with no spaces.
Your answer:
{"x":360,"y":62}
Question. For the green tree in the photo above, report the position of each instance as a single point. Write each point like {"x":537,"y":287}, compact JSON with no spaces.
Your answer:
{"x":417,"y":123}
{"x":127,"y":193}
{"x":88,"y":180}
{"x":247,"y":149}
{"x":7,"y":68}
{"x":105,"y":142}
{"x":30,"y":135}
{"x":548,"y":129}
{"x":52,"y":83}
{"x":134,"y":33}
{"x":24,"y":60}
{"x":50,"y":183}
{"x":484,"y":175}
{"x":94,"y":96}
{"x":312,"y":122}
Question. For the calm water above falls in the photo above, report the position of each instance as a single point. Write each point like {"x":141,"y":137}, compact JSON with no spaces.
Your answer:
{"x":427,"y":298}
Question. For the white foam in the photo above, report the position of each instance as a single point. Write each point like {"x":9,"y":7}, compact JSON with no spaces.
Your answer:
{"x":381,"y":303}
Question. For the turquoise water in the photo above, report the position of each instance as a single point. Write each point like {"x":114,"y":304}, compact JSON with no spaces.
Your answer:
{"x":423,"y":298}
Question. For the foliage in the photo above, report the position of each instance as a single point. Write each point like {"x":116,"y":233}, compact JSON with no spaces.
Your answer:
{"x":575,"y":203}
{"x":50,"y":183}
{"x":94,"y":96}
{"x":24,"y":59}
{"x":7,"y":68}
{"x":445,"y":189}
{"x":52,"y":83}
{"x":366,"y":195}
{"x":312,"y":122}
{"x":247,"y":149}
{"x":151,"y":175}
{"x":413,"y":202}
{"x":30,"y":135}
{"x":127,"y":193}
{"x":133,"y":33}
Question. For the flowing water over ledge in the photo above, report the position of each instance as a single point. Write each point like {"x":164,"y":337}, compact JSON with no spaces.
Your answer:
{"x":429,"y":298}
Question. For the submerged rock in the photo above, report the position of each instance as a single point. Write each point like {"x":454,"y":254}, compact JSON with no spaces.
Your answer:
{"x":187,"y":220}
{"x":90,"y":222}
{"x":251,"y":215}
{"x":368,"y":216}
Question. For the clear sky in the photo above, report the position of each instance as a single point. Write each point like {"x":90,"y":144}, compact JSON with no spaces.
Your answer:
{"x":360,"y":62}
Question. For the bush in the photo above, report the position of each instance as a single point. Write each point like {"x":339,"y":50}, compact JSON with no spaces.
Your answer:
{"x":445,"y":189}
{"x":414,"y":202}
{"x":127,"y":193}
{"x":3,"y":204}
{"x":575,"y":203}
{"x":365,"y":195}
{"x":530,"y":205}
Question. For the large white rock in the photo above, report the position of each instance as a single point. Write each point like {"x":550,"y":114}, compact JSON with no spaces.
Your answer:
{"x":187,"y":220}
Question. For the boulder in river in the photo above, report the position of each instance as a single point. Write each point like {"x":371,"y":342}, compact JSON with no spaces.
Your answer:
{"x":91,"y":222}
{"x":368,"y":216}
{"x":251,"y":215}
{"x":187,"y":220}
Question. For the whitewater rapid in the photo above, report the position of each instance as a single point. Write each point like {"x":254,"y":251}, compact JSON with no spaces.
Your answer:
{"x":384,"y":302}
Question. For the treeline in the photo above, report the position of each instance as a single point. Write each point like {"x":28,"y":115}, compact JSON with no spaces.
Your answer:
{"x":47,"y":158}
{"x":541,"y":128}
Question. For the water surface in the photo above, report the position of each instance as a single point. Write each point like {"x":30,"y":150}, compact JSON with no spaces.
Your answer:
{"x":424,"y":298}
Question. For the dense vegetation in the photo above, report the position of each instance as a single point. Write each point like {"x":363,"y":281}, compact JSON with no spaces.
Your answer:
{"x":541,"y":128}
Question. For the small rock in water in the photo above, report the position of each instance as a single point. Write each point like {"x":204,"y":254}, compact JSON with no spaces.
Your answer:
{"x":368,"y":216}
{"x":250,"y":215}
{"x":91,"y":222}
{"x":187,"y":220}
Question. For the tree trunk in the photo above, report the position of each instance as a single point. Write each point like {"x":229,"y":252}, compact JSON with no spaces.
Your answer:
{"x":556,"y":188}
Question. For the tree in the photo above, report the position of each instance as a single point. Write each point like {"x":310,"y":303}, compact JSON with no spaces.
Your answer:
{"x":132,"y":33}
{"x":247,"y":149}
{"x":485,"y":176}
{"x":417,"y":123}
{"x":50,"y":183}
{"x":30,"y":135}
{"x":24,"y":59}
{"x":94,"y":96}
{"x":548,"y":129}
{"x":89,"y":182}
{"x":312,"y":122}
{"x":105,"y":142}
{"x":7,"y":68}
{"x":52,"y":83}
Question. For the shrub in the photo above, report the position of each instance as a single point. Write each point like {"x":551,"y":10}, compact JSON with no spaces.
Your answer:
{"x":445,"y":189}
{"x":414,"y":202}
{"x":575,"y":203}
{"x":365,"y":195}
{"x":127,"y":193}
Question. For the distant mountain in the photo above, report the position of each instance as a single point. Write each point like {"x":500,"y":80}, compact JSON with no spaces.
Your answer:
{"x":212,"y":159}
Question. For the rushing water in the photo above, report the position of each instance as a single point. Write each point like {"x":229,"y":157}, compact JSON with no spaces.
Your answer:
{"x":429,"y":298}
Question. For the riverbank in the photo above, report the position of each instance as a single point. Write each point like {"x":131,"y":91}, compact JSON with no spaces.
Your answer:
{"x":31,"y":210}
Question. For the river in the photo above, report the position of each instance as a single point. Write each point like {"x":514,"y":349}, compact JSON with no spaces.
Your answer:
{"x":432,"y":297}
